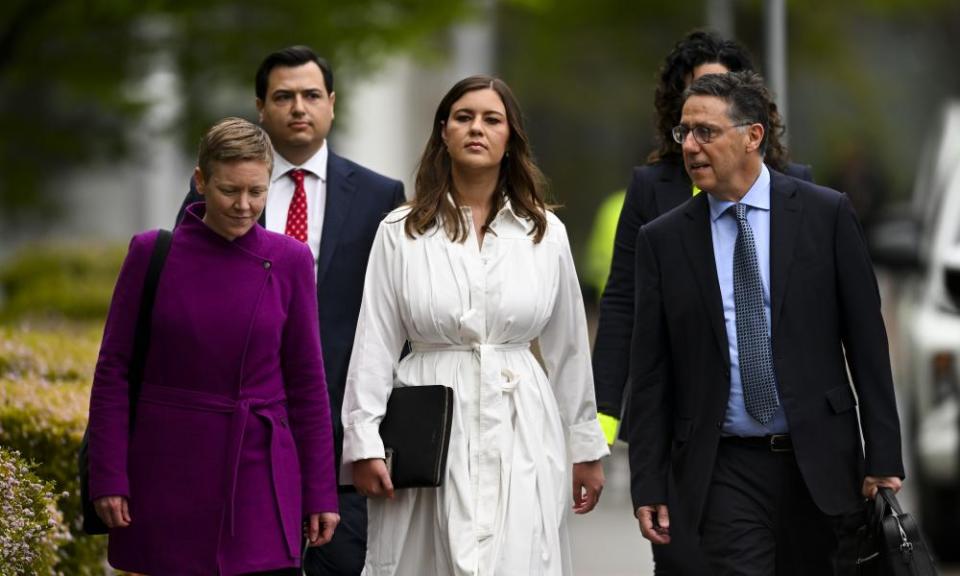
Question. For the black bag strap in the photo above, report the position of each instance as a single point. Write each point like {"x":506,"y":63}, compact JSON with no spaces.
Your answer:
{"x":141,"y":338}
{"x":879,"y":511}
{"x":889,"y":498}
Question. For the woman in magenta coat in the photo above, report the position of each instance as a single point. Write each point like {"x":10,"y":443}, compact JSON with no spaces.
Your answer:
{"x":230,"y":462}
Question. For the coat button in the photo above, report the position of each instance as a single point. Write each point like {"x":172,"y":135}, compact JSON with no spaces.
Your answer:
{"x":719,"y":424}
{"x":266,"y":265}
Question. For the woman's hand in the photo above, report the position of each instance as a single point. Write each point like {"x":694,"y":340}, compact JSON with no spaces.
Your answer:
{"x":320,"y":527}
{"x":372,"y":479}
{"x":113,"y":510}
{"x":588,"y":483}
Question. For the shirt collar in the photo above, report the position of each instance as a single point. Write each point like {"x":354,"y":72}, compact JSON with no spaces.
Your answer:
{"x":506,"y":211}
{"x":316,"y":164}
{"x":758,"y":196}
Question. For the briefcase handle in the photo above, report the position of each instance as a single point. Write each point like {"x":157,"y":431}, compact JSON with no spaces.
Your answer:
{"x":885,"y":500}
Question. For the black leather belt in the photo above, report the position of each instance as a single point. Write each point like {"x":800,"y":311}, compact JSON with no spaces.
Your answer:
{"x":773,"y":443}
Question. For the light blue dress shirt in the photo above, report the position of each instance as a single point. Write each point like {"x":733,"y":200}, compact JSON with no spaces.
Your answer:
{"x":737,"y":421}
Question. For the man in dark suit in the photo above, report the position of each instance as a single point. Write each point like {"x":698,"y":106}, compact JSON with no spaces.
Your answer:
{"x":335,"y":206}
{"x":656,"y":188}
{"x":752,"y":301}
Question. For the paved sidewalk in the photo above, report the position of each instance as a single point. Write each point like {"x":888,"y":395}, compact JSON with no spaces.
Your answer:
{"x":607,"y":541}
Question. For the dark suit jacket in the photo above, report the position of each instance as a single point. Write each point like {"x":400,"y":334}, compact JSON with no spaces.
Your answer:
{"x":357,"y":200}
{"x":655,"y":189}
{"x":824,"y":302}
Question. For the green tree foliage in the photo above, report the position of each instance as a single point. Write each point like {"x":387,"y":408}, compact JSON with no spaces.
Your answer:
{"x":69,"y":69}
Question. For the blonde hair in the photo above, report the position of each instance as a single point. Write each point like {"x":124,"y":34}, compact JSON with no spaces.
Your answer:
{"x":234,"y":139}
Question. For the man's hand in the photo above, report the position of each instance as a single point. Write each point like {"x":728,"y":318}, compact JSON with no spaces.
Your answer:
{"x":871,"y":483}
{"x":320,"y":527}
{"x":588,"y":483}
{"x":371,"y":478}
{"x":113,"y":510}
{"x":655,"y":523}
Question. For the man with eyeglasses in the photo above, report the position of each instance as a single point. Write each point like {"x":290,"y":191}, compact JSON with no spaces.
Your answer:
{"x":657,"y":187}
{"x":753,"y":301}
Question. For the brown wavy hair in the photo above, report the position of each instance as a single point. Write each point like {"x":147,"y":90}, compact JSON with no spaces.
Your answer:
{"x":520,"y":180}
{"x":697,"y":48}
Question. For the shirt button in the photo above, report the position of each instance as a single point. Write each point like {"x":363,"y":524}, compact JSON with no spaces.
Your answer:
{"x":266,"y":265}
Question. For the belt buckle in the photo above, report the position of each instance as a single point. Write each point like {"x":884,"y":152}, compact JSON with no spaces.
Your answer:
{"x":774,"y":438}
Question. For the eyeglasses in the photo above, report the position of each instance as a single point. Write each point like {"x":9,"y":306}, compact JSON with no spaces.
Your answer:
{"x":701,"y":133}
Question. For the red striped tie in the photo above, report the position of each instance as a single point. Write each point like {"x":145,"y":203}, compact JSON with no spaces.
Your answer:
{"x":297,"y":215}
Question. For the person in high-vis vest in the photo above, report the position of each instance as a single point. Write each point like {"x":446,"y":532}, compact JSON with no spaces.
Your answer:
{"x":656,"y":188}
{"x":600,"y":245}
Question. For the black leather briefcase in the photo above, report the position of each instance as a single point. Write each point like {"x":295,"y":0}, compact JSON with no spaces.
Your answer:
{"x":890,"y":543}
{"x":416,"y":435}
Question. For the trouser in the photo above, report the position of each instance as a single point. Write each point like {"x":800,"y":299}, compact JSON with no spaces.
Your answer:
{"x":760,"y":519}
{"x":346,"y":553}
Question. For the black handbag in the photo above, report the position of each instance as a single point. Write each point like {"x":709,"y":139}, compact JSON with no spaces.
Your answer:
{"x":92,"y":524}
{"x":890,"y":543}
{"x":416,"y":435}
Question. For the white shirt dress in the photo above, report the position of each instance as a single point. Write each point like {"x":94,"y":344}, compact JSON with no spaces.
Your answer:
{"x":470,"y":315}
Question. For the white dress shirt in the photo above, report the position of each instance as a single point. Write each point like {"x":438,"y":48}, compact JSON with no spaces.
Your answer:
{"x":281,"y":194}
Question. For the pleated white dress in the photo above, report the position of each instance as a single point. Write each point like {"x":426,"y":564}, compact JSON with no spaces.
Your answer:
{"x":470,"y":314}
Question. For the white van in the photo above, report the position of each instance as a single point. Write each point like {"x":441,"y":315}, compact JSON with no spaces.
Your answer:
{"x":921,"y":248}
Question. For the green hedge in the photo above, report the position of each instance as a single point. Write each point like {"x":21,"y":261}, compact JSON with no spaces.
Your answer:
{"x":31,"y":526}
{"x":60,"y":281}
{"x":54,"y":352}
{"x":45,"y":378}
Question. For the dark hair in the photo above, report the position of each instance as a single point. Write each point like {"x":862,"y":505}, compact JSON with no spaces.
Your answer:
{"x":748,"y":100}
{"x":697,"y":48}
{"x":520,"y":179}
{"x":290,"y":58}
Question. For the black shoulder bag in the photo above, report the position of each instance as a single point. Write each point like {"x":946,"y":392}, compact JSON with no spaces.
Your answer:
{"x":92,"y":524}
{"x":890,"y":543}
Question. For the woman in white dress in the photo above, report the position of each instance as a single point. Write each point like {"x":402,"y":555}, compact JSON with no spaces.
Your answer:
{"x":470,"y":272}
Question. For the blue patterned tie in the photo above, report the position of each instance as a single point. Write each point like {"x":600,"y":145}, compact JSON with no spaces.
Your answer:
{"x":753,"y":336}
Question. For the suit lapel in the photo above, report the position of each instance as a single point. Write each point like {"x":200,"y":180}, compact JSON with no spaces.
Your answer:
{"x":340,"y":188}
{"x":785,"y":214}
{"x":698,"y":245}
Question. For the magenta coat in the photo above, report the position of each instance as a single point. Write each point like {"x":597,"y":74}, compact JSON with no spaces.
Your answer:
{"x":232,"y":446}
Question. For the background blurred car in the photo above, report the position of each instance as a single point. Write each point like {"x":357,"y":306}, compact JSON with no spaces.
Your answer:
{"x":920,"y":247}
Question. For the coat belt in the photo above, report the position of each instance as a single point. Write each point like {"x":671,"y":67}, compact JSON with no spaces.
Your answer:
{"x":268,"y":409}
{"x":477,"y":347}
{"x":496,"y":382}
